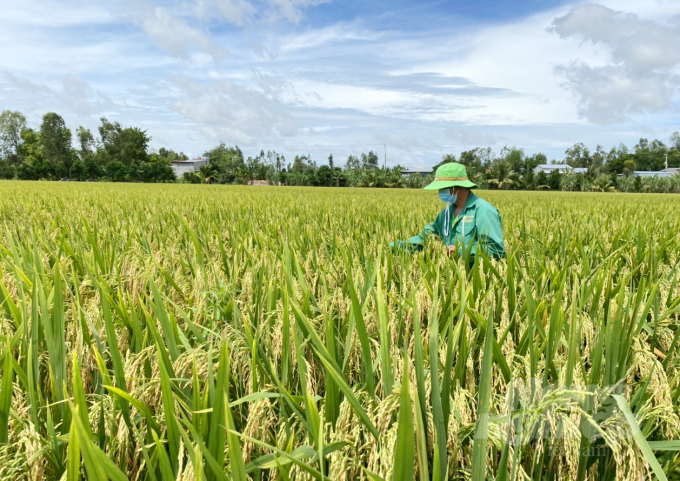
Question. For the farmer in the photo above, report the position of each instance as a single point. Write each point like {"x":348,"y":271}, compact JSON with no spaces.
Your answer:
{"x":468,"y":222}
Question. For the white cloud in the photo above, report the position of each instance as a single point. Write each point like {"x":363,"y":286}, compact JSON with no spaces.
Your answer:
{"x":237,"y":113}
{"x":25,"y":84}
{"x":55,"y":14}
{"x":290,"y":10}
{"x":237,"y":12}
{"x":642,"y":74}
{"x":175,"y":36}
{"x":404,"y":143}
{"x":75,"y":94}
{"x":337,"y":33}
{"x":471,"y":138}
{"x":341,"y":96}
{"x":304,"y":85}
{"x":242,"y":12}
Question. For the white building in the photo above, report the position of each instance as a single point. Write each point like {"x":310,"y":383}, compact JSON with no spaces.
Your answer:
{"x":672,"y":170}
{"x":416,"y":172}
{"x":181,"y":167}
{"x":561,"y":168}
{"x":651,"y":173}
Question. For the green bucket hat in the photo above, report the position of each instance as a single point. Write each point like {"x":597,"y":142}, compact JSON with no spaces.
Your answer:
{"x":451,"y":175}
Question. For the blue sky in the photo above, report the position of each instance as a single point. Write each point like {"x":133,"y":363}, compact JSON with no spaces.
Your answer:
{"x":318,"y":77}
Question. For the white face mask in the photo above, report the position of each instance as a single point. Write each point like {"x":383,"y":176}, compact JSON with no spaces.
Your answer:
{"x":450,"y":200}
{"x":447,"y":197}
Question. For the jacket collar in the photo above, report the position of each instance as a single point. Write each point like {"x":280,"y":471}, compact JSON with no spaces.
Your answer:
{"x":471,"y":202}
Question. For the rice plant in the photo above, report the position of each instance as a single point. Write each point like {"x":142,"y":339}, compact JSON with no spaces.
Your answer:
{"x":212,"y":333}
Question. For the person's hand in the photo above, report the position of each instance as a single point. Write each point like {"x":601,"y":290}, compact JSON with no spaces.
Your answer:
{"x":451,"y":249}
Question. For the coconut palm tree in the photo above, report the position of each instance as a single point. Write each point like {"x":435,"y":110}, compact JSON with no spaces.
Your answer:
{"x":602,"y":183}
{"x":569,"y":181}
{"x":502,"y":177}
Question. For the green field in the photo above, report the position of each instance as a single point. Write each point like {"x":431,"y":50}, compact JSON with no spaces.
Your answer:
{"x":214,"y":332}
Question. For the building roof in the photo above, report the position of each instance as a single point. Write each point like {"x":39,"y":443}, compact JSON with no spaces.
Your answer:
{"x":416,"y":171}
{"x":576,"y":170}
{"x":651,"y":173}
{"x":190,"y":161}
{"x":552,"y":166}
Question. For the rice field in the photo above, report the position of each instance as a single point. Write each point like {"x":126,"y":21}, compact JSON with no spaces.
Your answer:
{"x":157,"y":332}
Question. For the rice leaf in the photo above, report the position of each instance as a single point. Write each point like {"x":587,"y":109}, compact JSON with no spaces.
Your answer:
{"x":640,"y":438}
{"x":404,"y":451}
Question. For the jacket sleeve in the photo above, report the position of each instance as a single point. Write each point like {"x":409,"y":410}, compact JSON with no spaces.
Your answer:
{"x":418,"y":241}
{"x":490,"y":233}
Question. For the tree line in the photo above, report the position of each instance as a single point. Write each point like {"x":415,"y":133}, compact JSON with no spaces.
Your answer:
{"x":227,"y":165}
{"x":607,"y":171}
{"x":122,"y":154}
{"x":117,"y":154}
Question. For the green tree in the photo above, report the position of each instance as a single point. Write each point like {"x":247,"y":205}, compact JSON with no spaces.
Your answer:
{"x":171,"y":155}
{"x":89,"y":163}
{"x":276,"y":159}
{"x":628,"y":167}
{"x":674,"y":151}
{"x":157,"y":169}
{"x":77,"y":171}
{"x":617,"y":156}
{"x":243,"y":176}
{"x":570,"y":181}
{"x":323,"y":176}
{"x":192,"y":178}
{"x":638,"y":184}
{"x":597,"y":160}
{"x":603,"y":183}
{"x":530,"y":180}
{"x":303,"y":164}
{"x":650,"y":155}
{"x":675,"y":141}
{"x":12,"y":123}
{"x":7,"y":170}
{"x":369,"y":161}
{"x":223,"y":164}
{"x":514,"y":157}
{"x":352,"y":163}
{"x":502,"y":176}
{"x":116,"y":171}
{"x":339,"y":178}
{"x":477,"y":161}
{"x":554,"y":180}
{"x":33,"y":164}
{"x":578,"y":156}
{"x":56,"y":141}
{"x":92,"y":167}
{"x":127,"y":145}
{"x":256,"y":166}
{"x":531,"y":162}
{"x":86,"y":140}
{"x":626,"y":184}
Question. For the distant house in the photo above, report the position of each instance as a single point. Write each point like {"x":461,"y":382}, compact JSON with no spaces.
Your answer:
{"x":181,"y":167}
{"x":672,"y":170}
{"x":561,"y":168}
{"x":416,"y":172}
{"x":652,"y":173}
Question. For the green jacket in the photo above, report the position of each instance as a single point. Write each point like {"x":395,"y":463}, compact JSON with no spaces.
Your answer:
{"x":478,"y":224}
